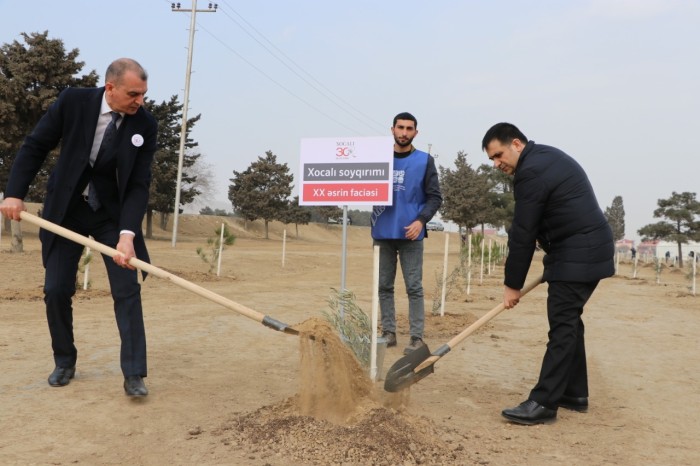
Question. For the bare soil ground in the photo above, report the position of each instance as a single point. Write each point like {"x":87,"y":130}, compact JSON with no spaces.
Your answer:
{"x":225,"y":390}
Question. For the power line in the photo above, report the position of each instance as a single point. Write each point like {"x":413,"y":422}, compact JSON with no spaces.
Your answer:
{"x":380,"y":127}
{"x":249,"y":63}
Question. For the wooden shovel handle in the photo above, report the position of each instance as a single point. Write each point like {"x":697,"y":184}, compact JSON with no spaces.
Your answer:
{"x":457,"y":339}
{"x":145,"y":266}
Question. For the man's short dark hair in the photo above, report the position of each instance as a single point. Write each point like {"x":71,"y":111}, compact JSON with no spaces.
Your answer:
{"x":503,"y":133}
{"x":405,"y":116}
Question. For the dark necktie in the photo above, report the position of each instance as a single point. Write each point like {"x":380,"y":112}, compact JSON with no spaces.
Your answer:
{"x":107,"y":139}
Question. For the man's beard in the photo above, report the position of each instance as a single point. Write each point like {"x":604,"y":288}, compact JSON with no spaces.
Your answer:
{"x":403,"y":144}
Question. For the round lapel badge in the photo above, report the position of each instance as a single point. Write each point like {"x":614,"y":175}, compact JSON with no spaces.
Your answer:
{"x":137,"y":140}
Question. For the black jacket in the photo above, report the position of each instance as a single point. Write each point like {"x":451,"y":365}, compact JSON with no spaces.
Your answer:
{"x":71,"y":120}
{"x":555,"y":205}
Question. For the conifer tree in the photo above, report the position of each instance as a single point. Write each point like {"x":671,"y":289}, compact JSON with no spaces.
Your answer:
{"x":616,"y":218}
{"x":681,"y":214}
{"x":261,"y":190}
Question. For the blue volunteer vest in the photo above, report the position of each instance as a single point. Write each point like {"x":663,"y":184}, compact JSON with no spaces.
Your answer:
{"x":388,"y":222}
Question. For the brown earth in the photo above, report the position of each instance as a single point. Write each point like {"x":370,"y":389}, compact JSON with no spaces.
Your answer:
{"x":226,"y":390}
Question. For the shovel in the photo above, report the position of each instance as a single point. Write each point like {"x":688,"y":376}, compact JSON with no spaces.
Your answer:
{"x":419,"y":363}
{"x":145,"y":266}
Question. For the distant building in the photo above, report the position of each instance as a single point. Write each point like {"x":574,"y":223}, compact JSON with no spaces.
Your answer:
{"x":487,"y":231}
{"x":647,"y":248}
{"x":660,"y":248}
{"x":624,"y":246}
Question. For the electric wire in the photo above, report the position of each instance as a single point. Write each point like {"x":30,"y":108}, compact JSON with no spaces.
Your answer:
{"x":282,"y":86}
{"x":379,"y":126}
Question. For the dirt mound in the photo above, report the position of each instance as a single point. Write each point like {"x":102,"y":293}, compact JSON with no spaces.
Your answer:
{"x":377,"y":435}
{"x":338,"y":417}
{"x":332,"y":384}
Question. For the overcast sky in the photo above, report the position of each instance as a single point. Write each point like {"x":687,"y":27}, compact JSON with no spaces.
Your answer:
{"x":614,"y":83}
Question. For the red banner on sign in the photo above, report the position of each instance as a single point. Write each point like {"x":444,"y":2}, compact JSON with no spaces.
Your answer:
{"x":345,"y":192}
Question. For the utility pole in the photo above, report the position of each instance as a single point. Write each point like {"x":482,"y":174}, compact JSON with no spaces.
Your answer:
{"x":183,"y":133}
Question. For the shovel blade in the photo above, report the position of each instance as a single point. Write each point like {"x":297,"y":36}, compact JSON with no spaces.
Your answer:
{"x":402,"y":373}
{"x":275,"y":324}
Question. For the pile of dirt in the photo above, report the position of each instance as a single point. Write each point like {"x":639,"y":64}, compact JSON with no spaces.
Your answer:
{"x":380,"y":436}
{"x":338,"y":416}
{"x":332,"y":383}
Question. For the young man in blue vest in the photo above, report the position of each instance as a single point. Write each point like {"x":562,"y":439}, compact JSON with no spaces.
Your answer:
{"x":399,"y":229}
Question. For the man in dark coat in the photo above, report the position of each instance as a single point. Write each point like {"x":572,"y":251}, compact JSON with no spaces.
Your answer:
{"x":556,"y":207}
{"x":99,"y":187}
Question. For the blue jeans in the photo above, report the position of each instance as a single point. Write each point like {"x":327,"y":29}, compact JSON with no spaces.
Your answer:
{"x":410,"y":254}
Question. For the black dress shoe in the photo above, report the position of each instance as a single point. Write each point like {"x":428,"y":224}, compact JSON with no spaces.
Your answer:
{"x":134,"y":386}
{"x":530,"y":412}
{"x":575,"y":403}
{"x":61,"y":376}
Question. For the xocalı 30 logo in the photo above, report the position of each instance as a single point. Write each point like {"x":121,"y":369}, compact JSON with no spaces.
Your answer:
{"x":344,"y":150}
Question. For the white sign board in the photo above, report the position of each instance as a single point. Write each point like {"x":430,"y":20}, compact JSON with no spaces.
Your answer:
{"x":346,"y":171}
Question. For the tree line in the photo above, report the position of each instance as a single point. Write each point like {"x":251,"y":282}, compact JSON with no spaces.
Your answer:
{"x":34,"y":72}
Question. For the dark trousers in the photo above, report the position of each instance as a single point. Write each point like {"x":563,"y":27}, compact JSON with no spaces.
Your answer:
{"x":59,"y":288}
{"x":564,"y":370}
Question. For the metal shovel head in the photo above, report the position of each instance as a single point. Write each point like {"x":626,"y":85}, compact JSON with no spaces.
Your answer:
{"x":275,"y":324}
{"x":401,"y":374}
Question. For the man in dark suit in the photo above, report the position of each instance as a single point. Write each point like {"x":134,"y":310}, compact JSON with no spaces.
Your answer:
{"x":99,"y":187}
{"x":556,"y":207}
